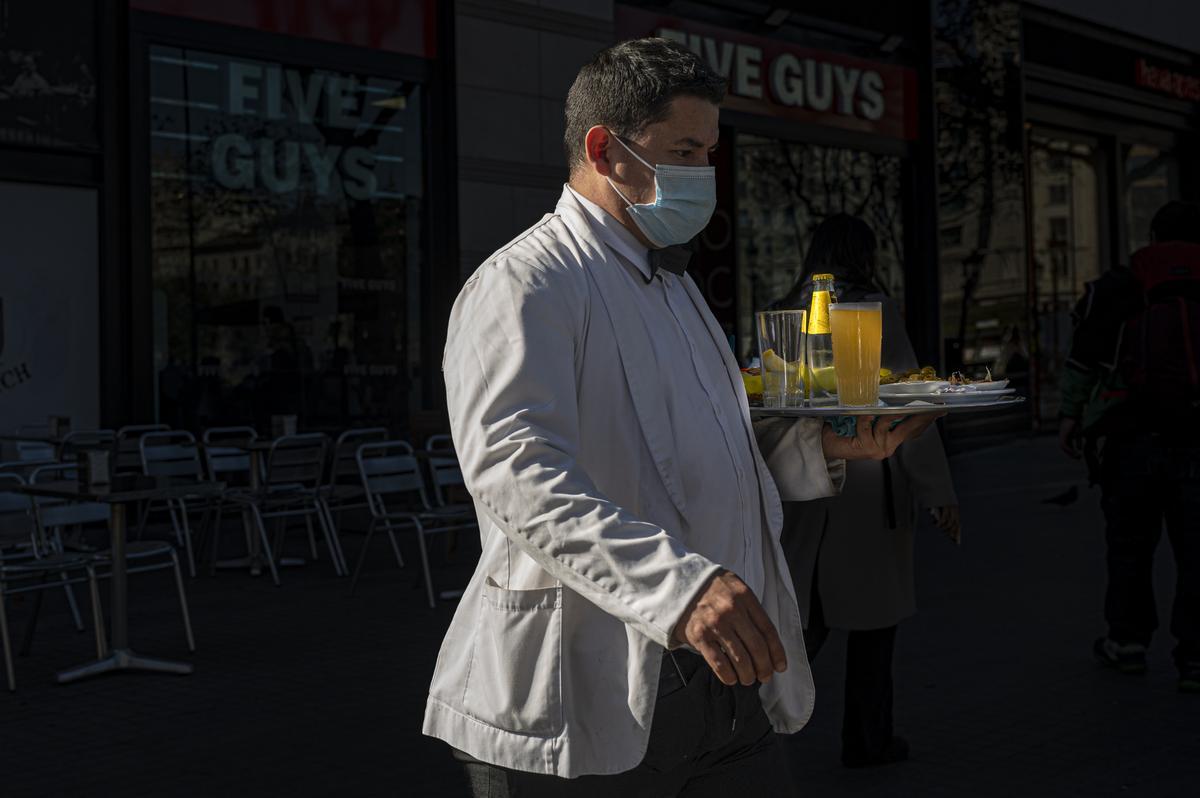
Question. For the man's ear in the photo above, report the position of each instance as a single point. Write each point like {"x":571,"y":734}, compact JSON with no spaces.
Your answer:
{"x":595,"y":145}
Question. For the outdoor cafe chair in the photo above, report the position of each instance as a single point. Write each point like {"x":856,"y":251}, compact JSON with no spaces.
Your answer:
{"x":226,"y":460}
{"x":127,"y":452}
{"x":395,"y":489}
{"x":142,"y":555}
{"x":173,"y":454}
{"x":291,"y":488}
{"x":75,"y":442}
{"x":35,"y":449}
{"x":343,"y":488}
{"x":444,"y":473}
{"x":34,"y":566}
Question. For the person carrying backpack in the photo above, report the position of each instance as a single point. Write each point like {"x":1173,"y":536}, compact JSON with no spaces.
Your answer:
{"x":1132,"y":381}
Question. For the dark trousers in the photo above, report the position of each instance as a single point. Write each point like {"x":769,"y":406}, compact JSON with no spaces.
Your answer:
{"x":706,"y":740}
{"x":867,"y":705}
{"x":1147,"y":481}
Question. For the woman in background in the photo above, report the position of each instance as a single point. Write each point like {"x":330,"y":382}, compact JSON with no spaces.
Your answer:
{"x":851,"y":555}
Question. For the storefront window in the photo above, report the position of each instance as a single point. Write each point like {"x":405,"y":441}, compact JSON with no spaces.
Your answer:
{"x":1067,"y":248}
{"x":784,"y":190}
{"x":1149,"y":184}
{"x":286,"y":241}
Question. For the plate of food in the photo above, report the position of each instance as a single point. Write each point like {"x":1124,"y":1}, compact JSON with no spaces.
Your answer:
{"x":912,"y":388}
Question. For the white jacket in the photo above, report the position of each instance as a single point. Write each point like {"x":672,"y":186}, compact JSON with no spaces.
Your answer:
{"x":551,"y":662}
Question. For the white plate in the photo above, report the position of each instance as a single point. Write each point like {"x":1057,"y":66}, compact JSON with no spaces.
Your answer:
{"x":995,"y":385}
{"x":923,"y":388}
{"x":966,"y":397}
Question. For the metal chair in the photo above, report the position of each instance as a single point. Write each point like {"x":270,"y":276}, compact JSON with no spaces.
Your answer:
{"x":127,"y":451}
{"x":291,"y":488}
{"x":142,"y":555}
{"x":35,"y":449}
{"x":172,"y":454}
{"x":78,"y":441}
{"x":30,"y":573}
{"x":225,"y":460}
{"x":343,"y":489}
{"x":397,"y":499}
{"x":445,"y":472}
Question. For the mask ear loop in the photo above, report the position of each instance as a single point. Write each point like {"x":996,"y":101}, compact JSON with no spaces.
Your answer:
{"x":645,"y":163}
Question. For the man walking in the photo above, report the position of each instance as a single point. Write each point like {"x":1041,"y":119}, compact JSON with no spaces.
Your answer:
{"x":1133,"y":379}
{"x":631,"y":627}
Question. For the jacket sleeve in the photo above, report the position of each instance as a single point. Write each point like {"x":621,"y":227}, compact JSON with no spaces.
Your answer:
{"x":794,"y":455}
{"x":510,"y":368}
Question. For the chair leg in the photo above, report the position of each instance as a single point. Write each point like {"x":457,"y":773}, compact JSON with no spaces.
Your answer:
{"x":312,"y":539}
{"x":335,"y":528}
{"x":74,"y":605}
{"x":395,"y":546}
{"x":142,"y":516}
{"x":425,"y":565}
{"x":183,"y":605}
{"x":266,"y":544}
{"x":362,"y":556}
{"x":183,"y":533}
{"x":97,"y":614}
{"x":330,"y":538}
{"x":7,"y":645}
{"x":215,"y":537}
{"x":31,"y":625}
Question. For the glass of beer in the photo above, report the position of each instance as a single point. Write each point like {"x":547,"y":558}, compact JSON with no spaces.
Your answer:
{"x":781,"y":336}
{"x":857,"y":329}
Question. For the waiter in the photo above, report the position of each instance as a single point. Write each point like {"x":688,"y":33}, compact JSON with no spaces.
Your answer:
{"x":631,"y":627}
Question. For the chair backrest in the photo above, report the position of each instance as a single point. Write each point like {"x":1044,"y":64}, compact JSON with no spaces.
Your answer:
{"x":297,"y":460}
{"x":391,"y":476}
{"x":78,"y":441}
{"x":35,"y":450}
{"x":52,"y":513}
{"x":343,"y":470}
{"x":127,"y":451}
{"x":444,"y":470}
{"x":170,"y":454}
{"x":16,"y":525}
{"x":23,"y":467}
{"x":223,"y":455}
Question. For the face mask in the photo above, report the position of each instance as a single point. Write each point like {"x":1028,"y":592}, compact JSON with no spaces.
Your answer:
{"x":684,"y":200}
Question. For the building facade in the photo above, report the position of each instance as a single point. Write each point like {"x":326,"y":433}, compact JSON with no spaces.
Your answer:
{"x":220,"y":211}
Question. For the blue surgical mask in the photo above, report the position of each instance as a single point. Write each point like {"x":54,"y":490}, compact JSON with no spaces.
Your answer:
{"x":684,"y":200}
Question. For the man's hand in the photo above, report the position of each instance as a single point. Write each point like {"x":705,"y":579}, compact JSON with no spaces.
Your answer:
{"x":1068,"y":437}
{"x":949,"y":521}
{"x":874,"y":438}
{"x":731,"y":630}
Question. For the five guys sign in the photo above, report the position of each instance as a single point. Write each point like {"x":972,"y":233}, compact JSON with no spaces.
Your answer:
{"x":777,"y":78}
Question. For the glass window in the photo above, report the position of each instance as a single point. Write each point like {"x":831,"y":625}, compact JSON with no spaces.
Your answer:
{"x":1066,"y":243}
{"x":1149,"y":184}
{"x":784,"y":190}
{"x":286,"y":241}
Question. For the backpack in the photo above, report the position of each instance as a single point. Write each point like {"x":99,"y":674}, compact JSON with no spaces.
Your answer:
{"x":1158,"y":355}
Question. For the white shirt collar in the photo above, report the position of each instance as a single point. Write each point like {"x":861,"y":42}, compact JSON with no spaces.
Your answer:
{"x":614,"y":234}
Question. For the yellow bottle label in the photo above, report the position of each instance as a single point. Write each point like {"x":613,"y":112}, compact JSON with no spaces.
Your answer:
{"x":818,"y":314}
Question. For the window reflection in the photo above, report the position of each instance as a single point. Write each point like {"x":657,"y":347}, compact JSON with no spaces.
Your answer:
{"x":1149,"y":184}
{"x":286,"y":225}
{"x":784,"y":190}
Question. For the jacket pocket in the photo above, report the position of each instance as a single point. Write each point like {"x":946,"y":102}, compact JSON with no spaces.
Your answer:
{"x":515,"y":680}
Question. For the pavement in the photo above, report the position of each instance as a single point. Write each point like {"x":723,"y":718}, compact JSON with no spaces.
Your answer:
{"x":303,"y":690}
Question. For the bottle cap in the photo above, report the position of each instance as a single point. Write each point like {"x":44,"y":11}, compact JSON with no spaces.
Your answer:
{"x":822,"y":277}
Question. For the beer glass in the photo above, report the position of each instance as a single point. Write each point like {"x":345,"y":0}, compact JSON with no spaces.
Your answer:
{"x":857,"y":329}
{"x":781,"y":338}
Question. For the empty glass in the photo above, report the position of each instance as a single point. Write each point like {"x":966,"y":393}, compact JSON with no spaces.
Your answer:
{"x":781,"y":338}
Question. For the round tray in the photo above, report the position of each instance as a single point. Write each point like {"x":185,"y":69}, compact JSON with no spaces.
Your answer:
{"x":826,"y":411}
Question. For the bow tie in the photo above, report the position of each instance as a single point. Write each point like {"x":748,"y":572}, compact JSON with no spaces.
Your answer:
{"x":670,"y":259}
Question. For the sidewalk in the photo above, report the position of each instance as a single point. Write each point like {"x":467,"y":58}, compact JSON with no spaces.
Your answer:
{"x":303,"y":691}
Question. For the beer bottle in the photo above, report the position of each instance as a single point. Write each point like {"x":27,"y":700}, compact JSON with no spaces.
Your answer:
{"x":822,"y":384}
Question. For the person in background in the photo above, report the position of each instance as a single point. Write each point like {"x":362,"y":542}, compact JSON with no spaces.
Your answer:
{"x":1132,"y":384}
{"x":851,"y":555}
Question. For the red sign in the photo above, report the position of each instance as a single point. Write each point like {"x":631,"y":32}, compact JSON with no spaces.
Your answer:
{"x":777,"y":78}
{"x":1177,"y":84}
{"x":398,"y":26}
